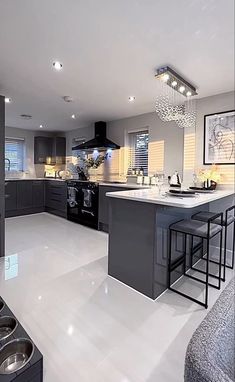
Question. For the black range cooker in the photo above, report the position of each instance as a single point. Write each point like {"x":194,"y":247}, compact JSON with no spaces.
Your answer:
{"x":83,"y":202}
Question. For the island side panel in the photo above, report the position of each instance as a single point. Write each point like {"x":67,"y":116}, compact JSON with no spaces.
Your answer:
{"x":131,"y":244}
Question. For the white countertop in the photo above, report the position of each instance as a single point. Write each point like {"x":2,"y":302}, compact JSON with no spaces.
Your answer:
{"x":108,"y":184}
{"x":151,"y":196}
{"x":125,"y":185}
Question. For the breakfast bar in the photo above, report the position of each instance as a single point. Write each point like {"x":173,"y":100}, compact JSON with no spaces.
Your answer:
{"x":139,"y":223}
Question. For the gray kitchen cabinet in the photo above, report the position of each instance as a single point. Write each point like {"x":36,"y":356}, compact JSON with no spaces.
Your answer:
{"x":24,"y":194}
{"x":24,"y":197}
{"x":49,"y":150}
{"x":104,"y":205}
{"x":58,"y":150}
{"x":38,"y":193}
{"x":42,"y":149}
{"x":10,"y":196}
{"x":56,"y":197}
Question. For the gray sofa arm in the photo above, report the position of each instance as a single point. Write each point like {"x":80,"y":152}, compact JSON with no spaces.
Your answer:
{"x":210,"y":353}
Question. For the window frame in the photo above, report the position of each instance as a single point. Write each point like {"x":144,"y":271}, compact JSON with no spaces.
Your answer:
{"x":20,"y":161}
{"x":131,"y":140}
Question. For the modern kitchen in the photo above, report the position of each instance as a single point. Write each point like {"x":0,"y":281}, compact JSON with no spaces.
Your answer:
{"x":117,"y":215}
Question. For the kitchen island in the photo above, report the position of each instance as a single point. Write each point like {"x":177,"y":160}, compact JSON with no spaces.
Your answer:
{"x":138,"y":234}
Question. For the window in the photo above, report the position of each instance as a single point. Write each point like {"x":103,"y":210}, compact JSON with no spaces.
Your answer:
{"x":139,"y":150}
{"x":14,"y":154}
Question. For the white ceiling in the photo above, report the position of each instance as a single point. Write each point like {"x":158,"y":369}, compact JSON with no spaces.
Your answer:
{"x":110,"y":50}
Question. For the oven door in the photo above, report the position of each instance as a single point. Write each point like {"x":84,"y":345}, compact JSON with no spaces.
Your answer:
{"x":83,"y":208}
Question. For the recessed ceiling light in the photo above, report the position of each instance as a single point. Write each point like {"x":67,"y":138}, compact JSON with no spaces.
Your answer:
{"x":8,"y":100}
{"x":182,"y":89}
{"x":40,"y":127}
{"x":131,"y":99}
{"x":57,"y":65}
{"x":73,"y":116}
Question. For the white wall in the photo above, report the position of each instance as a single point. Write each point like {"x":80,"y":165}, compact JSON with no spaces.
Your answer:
{"x":84,"y":132}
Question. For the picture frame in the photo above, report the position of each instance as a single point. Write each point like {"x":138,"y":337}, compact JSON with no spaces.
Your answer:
{"x":219,"y":138}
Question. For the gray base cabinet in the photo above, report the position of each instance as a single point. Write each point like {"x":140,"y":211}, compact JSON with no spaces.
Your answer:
{"x":56,"y":198}
{"x":10,"y":196}
{"x":23,"y":197}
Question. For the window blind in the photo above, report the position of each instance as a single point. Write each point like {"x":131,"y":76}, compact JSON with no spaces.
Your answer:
{"x":14,"y":154}
{"x":189,"y":151}
{"x":156,"y":157}
{"x":139,"y":150}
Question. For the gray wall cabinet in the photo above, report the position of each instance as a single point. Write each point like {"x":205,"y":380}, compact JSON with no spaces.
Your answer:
{"x":2,"y":176}
{"x":49,"y":150}
{"x":42,"y":149}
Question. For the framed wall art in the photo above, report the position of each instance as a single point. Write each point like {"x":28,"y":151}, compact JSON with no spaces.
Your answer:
{"x":219,"y":138}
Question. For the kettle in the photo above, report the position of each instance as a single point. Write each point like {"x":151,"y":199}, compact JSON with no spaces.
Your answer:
{"x":175,"y":180}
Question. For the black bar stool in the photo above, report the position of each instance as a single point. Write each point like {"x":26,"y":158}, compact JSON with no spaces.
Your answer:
{"x":205,"y":231}
{"x":226,"y":222}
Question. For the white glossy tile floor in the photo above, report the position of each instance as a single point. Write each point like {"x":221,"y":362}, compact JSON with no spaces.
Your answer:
{"x":89,"y":326}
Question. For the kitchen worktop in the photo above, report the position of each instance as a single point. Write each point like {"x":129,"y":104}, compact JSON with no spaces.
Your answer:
{"x":101,"y":183}
{"x":16,"y":179}
{"x":151,"y":196}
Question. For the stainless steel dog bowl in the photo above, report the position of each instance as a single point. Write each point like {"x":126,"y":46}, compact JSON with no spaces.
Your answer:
{"x":7,"y":326}
{"x":15,"y":355}
{"x":1,"y":305}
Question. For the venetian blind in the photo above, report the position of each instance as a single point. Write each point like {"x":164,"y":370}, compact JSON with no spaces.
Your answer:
{"x":14,"y":154}
{"x":139,"y":142}
{"x":156,"y":157}
{"x":189,"y":151}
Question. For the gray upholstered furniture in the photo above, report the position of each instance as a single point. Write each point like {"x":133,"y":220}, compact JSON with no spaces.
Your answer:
{"x":210,"y":353}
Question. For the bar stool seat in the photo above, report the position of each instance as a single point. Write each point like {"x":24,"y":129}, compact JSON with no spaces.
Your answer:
{"x":227,"y":220}
{"x":196,"y":228}
{"x":205,"y":231}
{"x":204,"y":216}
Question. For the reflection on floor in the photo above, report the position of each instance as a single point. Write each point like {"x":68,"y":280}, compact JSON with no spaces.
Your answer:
{"x":88,"y":326}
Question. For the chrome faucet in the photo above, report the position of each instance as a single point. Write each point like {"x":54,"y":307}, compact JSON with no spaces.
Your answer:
{"x":9,"y":164}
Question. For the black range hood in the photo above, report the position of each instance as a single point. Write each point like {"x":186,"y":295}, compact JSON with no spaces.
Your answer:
{"x":100,"y":142}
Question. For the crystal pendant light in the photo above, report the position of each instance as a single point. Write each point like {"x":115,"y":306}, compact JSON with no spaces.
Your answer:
{"x":174,"y":101}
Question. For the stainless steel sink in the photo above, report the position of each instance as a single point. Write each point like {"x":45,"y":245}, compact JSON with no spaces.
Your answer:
{"x":15,"y":355}
{"x":7,"y":326}
{"x":1,"y":305}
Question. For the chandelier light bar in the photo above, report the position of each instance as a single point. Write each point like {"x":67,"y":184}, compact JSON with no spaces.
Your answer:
{"x":175,"y":81}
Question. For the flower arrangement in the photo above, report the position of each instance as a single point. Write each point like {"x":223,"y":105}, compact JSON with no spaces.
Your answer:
{"x":211,"y":173}
{"x":94,"y":162}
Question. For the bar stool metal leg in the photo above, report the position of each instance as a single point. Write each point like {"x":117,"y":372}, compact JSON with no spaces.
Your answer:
{"x":169,"y":262}
{"x":207,"y":272}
